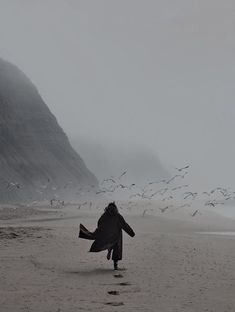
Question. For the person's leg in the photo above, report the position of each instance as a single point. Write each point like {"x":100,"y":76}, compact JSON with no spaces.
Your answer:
{"x":115,"y":257}
{"x":109,"y":253}
{"x":115,"y":264}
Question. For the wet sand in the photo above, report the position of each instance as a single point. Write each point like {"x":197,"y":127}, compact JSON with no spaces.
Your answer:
{"x":168,"y":266}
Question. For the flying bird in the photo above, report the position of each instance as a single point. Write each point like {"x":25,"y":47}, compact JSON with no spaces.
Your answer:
{"x":162,"y":192}
{"x":183,"y":168}
{"x":229,"y":197}
{"x":13,"y":185}
{"x":180,"y":187}
{"x":165,"y":208}
{"x":213,"y":203}
{"x":157,"y":182}
{"x":176,"y":176}
{"x":194,"y":214}
{"x":206,"y":193}
{"x":107,"y":180}
{"x":100,"y":192}
{"x":182,"y":206}
{"x":188,"y":194}
{"x":219,"y":189}
{"x":122,"y":174}
{"x":173,"y":178}
{"x":168,"y":198}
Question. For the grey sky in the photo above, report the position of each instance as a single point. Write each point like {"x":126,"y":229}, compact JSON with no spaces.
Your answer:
{"x":159,"y":73}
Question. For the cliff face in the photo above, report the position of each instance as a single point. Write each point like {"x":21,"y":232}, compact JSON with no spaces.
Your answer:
{"x":36,"y":158}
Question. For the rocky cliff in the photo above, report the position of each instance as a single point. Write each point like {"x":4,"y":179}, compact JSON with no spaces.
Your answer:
{"x":36,"y":158}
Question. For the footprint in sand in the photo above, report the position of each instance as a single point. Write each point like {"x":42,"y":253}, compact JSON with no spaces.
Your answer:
{"x":124,"y":284}
{"x":118,"y":275}
{"x":113,"y":292}
{"x":115,"y":304}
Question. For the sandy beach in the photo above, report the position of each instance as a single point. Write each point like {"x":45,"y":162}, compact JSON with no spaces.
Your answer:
{"x":170,"y":265}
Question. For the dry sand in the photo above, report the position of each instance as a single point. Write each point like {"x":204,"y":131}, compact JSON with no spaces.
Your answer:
{"x":168,"y":265}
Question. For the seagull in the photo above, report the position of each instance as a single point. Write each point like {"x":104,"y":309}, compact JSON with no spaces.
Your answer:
{"x":219,"y":189}
{"x":105,"y":190}
{"x":182,"y":206}
{"x":144,"y":212}
{"x":109,"y":179}
{"x":157,"y":182}
{"x":122,"y":186}
{"x":183,"y":176}
{"x":122,"y":174}
{"x":13,"y":184}
{"x":168,"y":198}
{"x":229,"y":197}
{"x":194,"y":214}
{"x":171,"y":179}
{"x":224,"y":192}
{"x":176,"y":176}
{"x":112,"y":179}
{"x":183,"y":168}
{"x":139,"y":195}
{"x":190,"y":194}
{"x":165,"y":208}
{"x":142,"y":192}
{"x":213,"y":203}
{"x":134,"y":195}
{"x":100,"y":192}
{"x":206,"y":193}
{"x":133,"y":184}
{"x":180,"y":187}
{"x":163,"y":191}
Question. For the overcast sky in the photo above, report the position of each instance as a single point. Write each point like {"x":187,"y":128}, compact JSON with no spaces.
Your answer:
{"x":155,"y":72}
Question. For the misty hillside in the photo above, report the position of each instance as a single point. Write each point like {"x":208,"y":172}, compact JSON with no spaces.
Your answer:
{"x":36,"y":158}
{"x":109,"y":159}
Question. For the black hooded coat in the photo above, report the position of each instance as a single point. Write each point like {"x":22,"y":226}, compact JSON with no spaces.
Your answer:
{"x":108,"y":234}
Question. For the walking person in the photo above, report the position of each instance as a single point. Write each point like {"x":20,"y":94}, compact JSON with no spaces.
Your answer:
{"x":108,"y":235}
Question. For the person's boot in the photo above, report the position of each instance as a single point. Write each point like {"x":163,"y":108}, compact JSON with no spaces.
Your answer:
{"x":109,"y":254}
{"x":115,"y":264}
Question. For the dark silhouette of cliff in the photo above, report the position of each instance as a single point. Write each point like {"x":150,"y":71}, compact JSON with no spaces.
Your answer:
{"x":36,"y":159}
